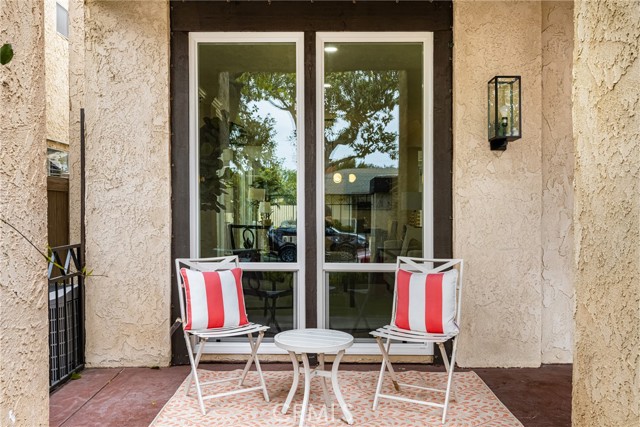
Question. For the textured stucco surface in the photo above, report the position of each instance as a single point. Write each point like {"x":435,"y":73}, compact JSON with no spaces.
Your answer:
{"x":606,"y":102}
{"x":24,"y":327}
{"x":497,"y":197}
{"x":128,"y":215}
{"x":57,"y":76}
{"x":557,"y":183}
{"x":76,"y":102}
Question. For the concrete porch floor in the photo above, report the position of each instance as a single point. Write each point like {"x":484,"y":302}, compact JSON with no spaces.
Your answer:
{"x":538,"y":397}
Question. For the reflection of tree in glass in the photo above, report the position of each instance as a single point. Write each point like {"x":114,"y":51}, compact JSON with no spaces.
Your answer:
{"x":278,"y":89}
{"x":279,"y":183}
{"x":251,"y":140}
{"x":211,"y":183}
{"x":358,"y":108}
{"x":254,"y":131}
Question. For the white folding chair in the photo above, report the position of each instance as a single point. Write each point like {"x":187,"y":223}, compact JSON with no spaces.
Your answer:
{"x":219,"y":264}
{"x":395,"y":333}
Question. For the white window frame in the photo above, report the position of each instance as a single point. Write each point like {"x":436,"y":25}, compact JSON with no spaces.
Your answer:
{"x":298,"y":267}
{"x":426,"y":38}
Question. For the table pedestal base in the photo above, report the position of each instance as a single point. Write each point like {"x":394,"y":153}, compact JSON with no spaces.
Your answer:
{"x":317,"y":372}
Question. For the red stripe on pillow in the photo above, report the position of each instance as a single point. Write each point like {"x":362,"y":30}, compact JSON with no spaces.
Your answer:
{"x":215,"y":306}
{"x":402,"y":306}
{"x":237,"y":273}
{"x":188,"y":298}
{"x":433,"y":303}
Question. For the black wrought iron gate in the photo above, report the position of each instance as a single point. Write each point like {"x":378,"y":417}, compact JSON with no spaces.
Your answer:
{"x":66,"y":313}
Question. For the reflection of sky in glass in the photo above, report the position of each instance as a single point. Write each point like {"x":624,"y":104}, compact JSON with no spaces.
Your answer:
{"x":286,"y":144}
{"x":382,"y":160}
{"x":284,"y":133}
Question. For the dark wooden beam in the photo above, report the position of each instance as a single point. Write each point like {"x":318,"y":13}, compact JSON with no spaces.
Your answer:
{"x":179,"y":81}
{"x":310,"y":144}
{"x":307,"y":16}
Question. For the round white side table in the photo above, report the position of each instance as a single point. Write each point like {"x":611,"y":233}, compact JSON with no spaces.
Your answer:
{"x":320,"y":341}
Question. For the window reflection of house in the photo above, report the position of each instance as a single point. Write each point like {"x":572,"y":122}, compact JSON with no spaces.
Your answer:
{"x":367,"y":201}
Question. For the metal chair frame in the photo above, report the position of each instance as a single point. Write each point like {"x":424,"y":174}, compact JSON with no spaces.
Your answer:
{"x":202,"y":335}
{"x":391,"y":332}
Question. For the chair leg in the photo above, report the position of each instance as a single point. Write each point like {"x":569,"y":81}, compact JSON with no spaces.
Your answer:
{"x":247,"y":365}
{"x":194,"y":373}
{"x":443,"y":352}
{"x":254,"y":356}
{"x":392,"y":372}
{"x":201,"y":341}
{"x":386,"y":364}
{"x":379,"y":385}
{"x":449,"y":380}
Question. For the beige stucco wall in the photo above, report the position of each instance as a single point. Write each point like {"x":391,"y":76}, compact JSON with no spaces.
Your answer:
{"x":24,"y":327}
{"x":606,"y":102}
{"x":557,"y":183}
{"x":57,"y":75}
{"x":128,"y":215}
{"x":497,"y":196}
{"x":513,"y":209}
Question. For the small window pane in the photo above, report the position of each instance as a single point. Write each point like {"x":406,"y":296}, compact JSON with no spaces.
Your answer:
{"x":269,"y":298}
{"x":359,"y":302}
{"x":62,"y":20}
{"x":58,"y":162}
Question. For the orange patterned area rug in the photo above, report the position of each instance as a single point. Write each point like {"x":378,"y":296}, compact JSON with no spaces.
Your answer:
{"x":478,"y":406}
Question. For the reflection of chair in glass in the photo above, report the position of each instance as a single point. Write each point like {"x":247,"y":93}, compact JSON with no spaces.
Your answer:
{"x":410,"y":244}
{"x":246,"y":241}
{"x":255,"y":283}
{"x":426,"y":309}
{"x":212,"y":307}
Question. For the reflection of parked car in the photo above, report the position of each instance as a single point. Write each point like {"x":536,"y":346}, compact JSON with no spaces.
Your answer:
{"x":283,"y":241}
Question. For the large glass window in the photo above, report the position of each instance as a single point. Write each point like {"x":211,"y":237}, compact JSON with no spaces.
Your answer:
{"x":247,"y":144}
{"x":373,"y":151}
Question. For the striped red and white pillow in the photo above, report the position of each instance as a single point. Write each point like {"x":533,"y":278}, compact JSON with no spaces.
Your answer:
{"x":426,"y":302}
{"x":214,"y":299}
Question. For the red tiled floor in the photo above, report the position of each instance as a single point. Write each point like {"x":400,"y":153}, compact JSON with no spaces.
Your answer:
{"x":133,"y":396}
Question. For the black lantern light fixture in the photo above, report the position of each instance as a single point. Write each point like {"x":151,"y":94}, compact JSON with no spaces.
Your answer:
{"x":505,"y":119}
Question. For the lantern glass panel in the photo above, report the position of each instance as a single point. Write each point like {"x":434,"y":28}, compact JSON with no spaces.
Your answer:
{"x":508,"y":92}
{"x":491,"y":108}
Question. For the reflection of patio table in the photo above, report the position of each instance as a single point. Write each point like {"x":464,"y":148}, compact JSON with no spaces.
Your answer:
{"x":320,"y":341}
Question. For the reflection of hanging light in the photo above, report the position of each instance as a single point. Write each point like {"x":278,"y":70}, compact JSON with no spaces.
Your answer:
{"x":337,"y":177}
{"x":330,"y":49}
{"x":352,"y":177}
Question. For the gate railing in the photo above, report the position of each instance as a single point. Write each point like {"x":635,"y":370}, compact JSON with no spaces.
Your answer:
{"x":66,"y":313}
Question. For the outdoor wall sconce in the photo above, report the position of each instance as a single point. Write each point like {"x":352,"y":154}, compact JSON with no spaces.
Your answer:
{"x":505,"y":120}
